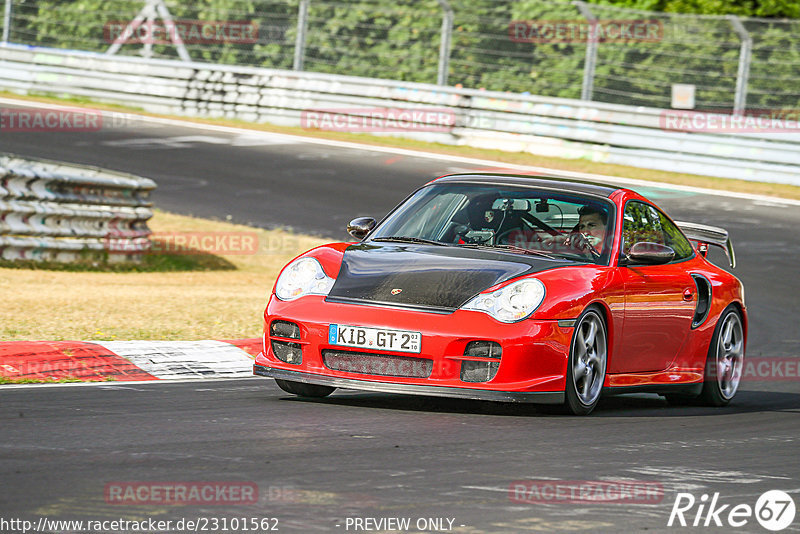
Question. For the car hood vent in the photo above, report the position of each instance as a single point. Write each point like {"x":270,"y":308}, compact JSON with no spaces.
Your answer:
{"x":436,"y":278}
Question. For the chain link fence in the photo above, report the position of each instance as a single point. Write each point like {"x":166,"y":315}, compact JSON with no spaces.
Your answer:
{"x":550,"y":48}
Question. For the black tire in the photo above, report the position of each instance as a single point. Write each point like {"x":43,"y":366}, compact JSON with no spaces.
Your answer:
{"x":583,"y":394}
{"x":727,"y":344}
{"x":304,"y":390}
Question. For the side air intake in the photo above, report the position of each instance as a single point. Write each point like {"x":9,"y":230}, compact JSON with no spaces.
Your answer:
{"x":703,"y":300}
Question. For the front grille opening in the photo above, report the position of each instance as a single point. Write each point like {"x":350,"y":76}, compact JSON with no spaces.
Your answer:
{"x":284,"y":329}
{"x":472,"y":371}
{"x":367,"y":363}
{"x":703,"y":300}
{"x":287,"y":352}
{"x":478,"y":371}
{"x":484,"y":349}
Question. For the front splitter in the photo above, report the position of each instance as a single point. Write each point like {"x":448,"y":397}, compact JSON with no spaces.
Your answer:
{"x":536,"y":397}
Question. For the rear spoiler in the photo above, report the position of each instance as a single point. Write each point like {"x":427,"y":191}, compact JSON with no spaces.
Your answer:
{"x":709,"y":235}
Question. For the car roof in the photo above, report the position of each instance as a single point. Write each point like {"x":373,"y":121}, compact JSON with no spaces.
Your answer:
{"x":560,"y":183}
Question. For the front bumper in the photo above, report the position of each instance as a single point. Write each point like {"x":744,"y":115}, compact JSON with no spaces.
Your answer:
{"x":532,"y":367}
{"x":538,"y":397}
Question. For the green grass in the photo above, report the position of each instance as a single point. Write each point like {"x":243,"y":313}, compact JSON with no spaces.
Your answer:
{"x":65,"y":380}
{"x":150,"y":263}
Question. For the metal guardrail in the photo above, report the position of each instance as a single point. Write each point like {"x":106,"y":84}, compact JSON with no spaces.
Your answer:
{"x":609,"y":133}
{"x":56,"y":212}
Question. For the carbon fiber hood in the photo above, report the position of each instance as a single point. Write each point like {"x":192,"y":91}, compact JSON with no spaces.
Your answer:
{"x":427,"y":276}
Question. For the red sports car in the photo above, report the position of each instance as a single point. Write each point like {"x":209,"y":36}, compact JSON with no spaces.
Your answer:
{"x":512,"y":288}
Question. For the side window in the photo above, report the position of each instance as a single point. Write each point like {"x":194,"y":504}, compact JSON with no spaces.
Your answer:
{"x":675,"y":239}
{"x":642,"y":222}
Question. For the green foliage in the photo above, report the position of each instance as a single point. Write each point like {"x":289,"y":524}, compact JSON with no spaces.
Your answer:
{"x":488,"y":54}
{"x":93,"y":24}
{"x":400,"y":39}
{"x":746,"y":8}
{"x":396,"y":40}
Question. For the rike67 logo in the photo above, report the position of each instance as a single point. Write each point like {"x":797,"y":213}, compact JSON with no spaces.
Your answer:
{"x":774,"y":510}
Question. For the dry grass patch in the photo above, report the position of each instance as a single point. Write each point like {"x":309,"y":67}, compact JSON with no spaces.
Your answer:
{"x":168,"y":297}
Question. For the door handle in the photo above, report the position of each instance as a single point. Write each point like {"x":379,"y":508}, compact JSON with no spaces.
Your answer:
{"x":687,"y":294}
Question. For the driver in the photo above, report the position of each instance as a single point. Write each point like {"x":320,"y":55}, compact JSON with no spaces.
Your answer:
{"x":591,"y":230}
{"x":592,"y":224}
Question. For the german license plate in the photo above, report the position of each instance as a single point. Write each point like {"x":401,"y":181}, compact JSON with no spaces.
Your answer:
{"x":374,"y":338}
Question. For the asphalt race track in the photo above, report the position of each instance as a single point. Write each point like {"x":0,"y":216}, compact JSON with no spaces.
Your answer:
{"x":364,"y":455}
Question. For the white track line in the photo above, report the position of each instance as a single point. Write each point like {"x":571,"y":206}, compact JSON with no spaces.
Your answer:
{"x":407,"y":152}
{"x":126,"y":384}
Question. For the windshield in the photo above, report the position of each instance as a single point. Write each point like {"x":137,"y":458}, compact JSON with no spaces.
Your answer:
{"x":518,"y":219}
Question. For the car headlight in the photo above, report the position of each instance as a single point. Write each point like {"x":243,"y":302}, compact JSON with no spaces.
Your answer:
{"x":511,"y":303}
{"x":303,"y":277}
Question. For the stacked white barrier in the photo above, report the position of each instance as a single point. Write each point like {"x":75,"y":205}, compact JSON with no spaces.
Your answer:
{"x":55,"y":212}
{"x":626,"y":135}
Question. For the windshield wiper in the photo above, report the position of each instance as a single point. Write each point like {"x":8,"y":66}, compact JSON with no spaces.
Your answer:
{"x":407,"y":239}
{"x":511,"y":248}
{"x":515,"y":248}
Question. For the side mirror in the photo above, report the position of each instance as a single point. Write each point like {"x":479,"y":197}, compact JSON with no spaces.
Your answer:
{"x":646,"y":253}
{"x":361,"y":226}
